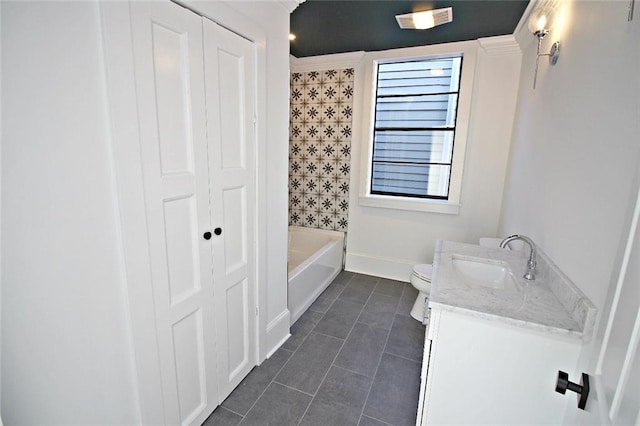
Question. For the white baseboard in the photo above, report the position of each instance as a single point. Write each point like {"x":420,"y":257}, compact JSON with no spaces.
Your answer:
{"x":278,"y":332}
{"x":393,"y":269}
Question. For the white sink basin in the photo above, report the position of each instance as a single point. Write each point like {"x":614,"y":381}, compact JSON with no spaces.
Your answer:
{"x":483,"y":272}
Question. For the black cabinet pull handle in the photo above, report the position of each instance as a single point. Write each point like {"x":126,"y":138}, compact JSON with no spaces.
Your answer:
{"x":217,"y":231}
{"x":581,"y":389}
{"x":207,"y":235}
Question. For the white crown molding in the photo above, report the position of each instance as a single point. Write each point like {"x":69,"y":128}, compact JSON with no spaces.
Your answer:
{"x":290,"y":5}
{"x":523,"y":23}
{"x":500,"y":45}
{"x":326,"y":62}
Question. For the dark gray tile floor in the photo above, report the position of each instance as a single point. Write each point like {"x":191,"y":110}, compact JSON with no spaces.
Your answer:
{"x":353,"y":358}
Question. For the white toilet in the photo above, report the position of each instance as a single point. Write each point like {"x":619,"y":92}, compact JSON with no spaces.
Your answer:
{"x":421,"y":280}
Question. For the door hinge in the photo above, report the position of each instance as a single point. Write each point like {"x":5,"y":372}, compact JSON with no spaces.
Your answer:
{"x":256,"y":311}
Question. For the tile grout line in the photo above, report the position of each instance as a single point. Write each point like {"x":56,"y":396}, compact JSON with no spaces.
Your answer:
{"x":397,"y":314}
{"x":227,"y":409}
{"x":289,"y":359}
{"x":345,"y":284}
{"x":378,"y":420}
{"x":314,"y":326}
{"x":381,"y":356}
{"x":273,"y":380}
{"x":327,"y":335}
{"x":373,"y":378}
{"x":403,"y":357}
{"x":293,"y":389}
{"x":375,"y":374}
{"x":352,"y":371}
{"x":341,"y":346}
{"x":332,"y":302}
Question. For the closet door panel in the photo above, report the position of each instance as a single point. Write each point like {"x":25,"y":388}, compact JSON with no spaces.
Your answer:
{"x":231,"y":68}
{"x":230,"y":97}
{"x":234,"y":202}
{"x":181,"y":248}
{"x":172,"y":100}
{"x":190,"y":368}
{"x":237,"y":300}
{"x":168,"y":55}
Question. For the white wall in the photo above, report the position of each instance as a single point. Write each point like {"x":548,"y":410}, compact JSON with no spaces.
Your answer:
{"x":388,"y":242}
{"x":575,"y":146}
{"x":66,"y":350}
{"x":0,"y":214}
{"x":274,"y":169}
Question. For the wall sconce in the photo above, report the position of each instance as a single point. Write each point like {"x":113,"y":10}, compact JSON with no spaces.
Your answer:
{"x":540,"y":23}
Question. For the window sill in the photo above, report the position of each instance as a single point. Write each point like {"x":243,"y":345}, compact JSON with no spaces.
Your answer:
{"x":411,"y":204}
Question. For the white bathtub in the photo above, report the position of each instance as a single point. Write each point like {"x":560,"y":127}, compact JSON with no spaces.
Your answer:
{"x":314,"y":260}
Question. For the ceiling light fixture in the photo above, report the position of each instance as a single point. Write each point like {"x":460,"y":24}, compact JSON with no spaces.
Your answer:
{"x":292,"y":37}
{"x":540,"y":23}
{"x":425,"y":19}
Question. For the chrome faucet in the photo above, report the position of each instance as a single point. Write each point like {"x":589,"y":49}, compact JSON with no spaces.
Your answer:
{"x":531,"y":263}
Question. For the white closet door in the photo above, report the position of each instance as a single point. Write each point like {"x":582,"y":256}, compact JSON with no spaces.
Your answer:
{"x":230,"y":97}
{"x":168,"y":57}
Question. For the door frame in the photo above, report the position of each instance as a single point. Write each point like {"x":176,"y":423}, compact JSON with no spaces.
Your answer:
{"x":608,"y":410}
{"x":129,"y":188}
{"x":598,"y":407}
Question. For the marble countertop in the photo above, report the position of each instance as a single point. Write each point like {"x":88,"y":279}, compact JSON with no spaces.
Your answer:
{"x":551,"y":303}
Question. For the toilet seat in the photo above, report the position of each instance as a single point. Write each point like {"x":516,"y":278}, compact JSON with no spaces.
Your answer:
{"x":423,"y":271}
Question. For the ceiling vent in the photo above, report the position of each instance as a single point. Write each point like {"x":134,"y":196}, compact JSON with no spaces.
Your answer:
{"x":426,"y":19}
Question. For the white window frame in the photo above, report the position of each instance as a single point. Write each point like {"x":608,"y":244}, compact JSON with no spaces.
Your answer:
{"x":468,"y":50}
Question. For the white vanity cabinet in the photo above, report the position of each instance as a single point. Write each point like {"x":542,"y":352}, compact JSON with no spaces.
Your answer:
{"x":482,"y":371}
{"x":493,"y":348}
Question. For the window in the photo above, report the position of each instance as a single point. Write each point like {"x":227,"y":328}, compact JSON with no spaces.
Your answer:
{"x":428,"y":176}
{"x":414,"y":127}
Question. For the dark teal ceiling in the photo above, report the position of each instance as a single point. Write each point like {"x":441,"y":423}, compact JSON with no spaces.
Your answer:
{"x":328,"y":26}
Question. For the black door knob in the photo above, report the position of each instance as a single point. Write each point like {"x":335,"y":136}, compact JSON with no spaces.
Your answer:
{"x":207,"y":235}
{"x":563,"y":384}
{"x":217,"y":231}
